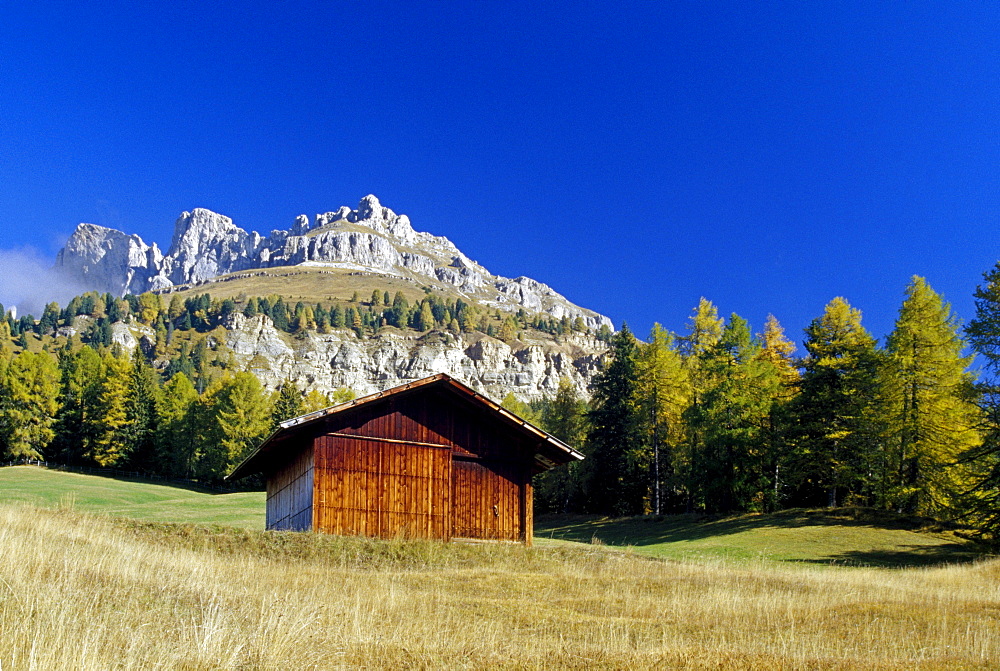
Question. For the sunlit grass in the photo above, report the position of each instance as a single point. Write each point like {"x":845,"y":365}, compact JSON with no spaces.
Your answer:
{"x":86,"y":592}
{"x":848,"y":536}
{"x":137,"y":499}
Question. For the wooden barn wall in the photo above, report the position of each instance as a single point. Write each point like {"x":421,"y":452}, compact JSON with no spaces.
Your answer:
{"x":378,"y":488}
{"x":290,"y":494}
{"x":487,"y":500}
{"x":485,"y":472}
{"x":437,"y":417}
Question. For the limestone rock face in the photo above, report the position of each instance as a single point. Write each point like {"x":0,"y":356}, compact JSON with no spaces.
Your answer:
{"x":330,"y":361}
{"x":371,"y":238}
{"x":206,"y":245}
{"x":110,"y":259}
{"x":340,"y":359}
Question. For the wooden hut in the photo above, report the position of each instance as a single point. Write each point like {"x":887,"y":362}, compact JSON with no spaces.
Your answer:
{"x":431,"y":459}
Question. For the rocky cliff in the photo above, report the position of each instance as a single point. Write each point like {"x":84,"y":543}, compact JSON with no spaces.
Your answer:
{"x":371,"y":238}
{"x":339,"y":359}
{"x":531,"y":370}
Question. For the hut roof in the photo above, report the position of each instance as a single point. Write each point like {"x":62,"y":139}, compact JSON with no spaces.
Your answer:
{"x":549,"y":450}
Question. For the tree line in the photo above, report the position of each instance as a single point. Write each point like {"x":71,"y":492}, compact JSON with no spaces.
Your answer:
{"x":719,"y":419}
{"x":714,"y":419}
{"x":202,"y":313}
{"x":99,"y":406}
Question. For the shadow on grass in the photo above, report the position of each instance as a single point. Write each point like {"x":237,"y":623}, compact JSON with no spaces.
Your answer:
{"x":188,"y":485}
{"x":652,"y":530}
{"x":906,"y":556}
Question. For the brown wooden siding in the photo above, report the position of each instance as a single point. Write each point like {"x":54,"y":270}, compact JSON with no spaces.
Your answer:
{"x":290,"y":494}
{"x":373,"y":487}
{"x":436,"y":417}
{"x":488,"y":500}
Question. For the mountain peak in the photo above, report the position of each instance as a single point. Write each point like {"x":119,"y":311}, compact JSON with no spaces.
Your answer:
{"x":207,"y":244}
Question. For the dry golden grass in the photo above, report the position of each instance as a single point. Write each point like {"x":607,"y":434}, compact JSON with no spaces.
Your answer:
{"x":85,"y":592}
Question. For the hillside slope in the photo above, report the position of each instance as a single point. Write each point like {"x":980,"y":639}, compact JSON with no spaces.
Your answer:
{"x":134,"y":499}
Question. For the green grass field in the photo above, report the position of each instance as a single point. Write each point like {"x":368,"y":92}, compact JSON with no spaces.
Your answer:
{"x":857,"y":537}
{"x":842,"y":537}
{"x":135,"y":499}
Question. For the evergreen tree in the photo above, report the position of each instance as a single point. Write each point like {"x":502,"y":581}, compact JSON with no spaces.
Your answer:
{"x":287,"y":402}
{"x":81,"y":373}
{"x":279,"y":315}
{"x":732,"y":418}
{"x":616,"y":459}
{"x":337,"y":317}
{"x":665,"y":394}
{"x":560,"y":489}
{"x":983,"y":334}
{"x":177,"y":436}
{"x":139,"y":432}
{"x":837,"y":415}
{"x":50,"y":319}
{"x":28,"y":392}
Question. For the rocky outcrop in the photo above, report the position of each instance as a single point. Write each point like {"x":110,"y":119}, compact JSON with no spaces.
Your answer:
{"x":110,"y":260}
{"x":341,"y":359}
{"x":330,"y":361}
{"x":371,"y":238}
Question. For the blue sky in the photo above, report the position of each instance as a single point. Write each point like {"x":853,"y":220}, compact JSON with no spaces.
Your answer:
{"x":635,"y":156}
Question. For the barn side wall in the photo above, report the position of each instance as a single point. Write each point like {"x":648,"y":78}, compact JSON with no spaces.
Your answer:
{"x":373,"y":487}
{"x":489,"y":464}
{"x":488,"y":500}
{"x":290,"y":494}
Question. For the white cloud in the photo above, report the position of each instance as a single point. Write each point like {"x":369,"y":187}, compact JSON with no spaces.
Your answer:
{"x":29,"y":281}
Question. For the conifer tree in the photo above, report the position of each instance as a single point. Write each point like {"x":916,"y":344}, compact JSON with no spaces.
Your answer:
{"x":150,"y":307}
{"x":139,"y":433}
{"x":176,"y":438}
{"x":237,"y":417}
{"x":287,"y":403}
{"x":983,"y":334}
{"x":933,"y":418}
{"x":425,"y":319}
{"x":560,"y":489}
{"x":28,"y":393}
{"x":664,"y":389}
{"x":50,"y":319}
{"x":81,"y":373}
{"x":778,"y":350}
{"x":704,"y":331}
{"x":732,"y":418}
{"x":840,"y":430}
{"x":110,"y":419}
{"x":617,"y":458}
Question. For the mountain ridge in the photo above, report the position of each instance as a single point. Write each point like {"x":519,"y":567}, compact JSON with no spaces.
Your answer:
{"x":372,"y":238}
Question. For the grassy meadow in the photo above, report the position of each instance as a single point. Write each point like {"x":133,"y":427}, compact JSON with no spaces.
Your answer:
{"x":136,"y":499}
{"x":127,"y":590}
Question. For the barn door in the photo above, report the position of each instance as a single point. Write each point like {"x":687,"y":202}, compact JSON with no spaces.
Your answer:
{"x":486,"y":501}
{"x":372,"y":487}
